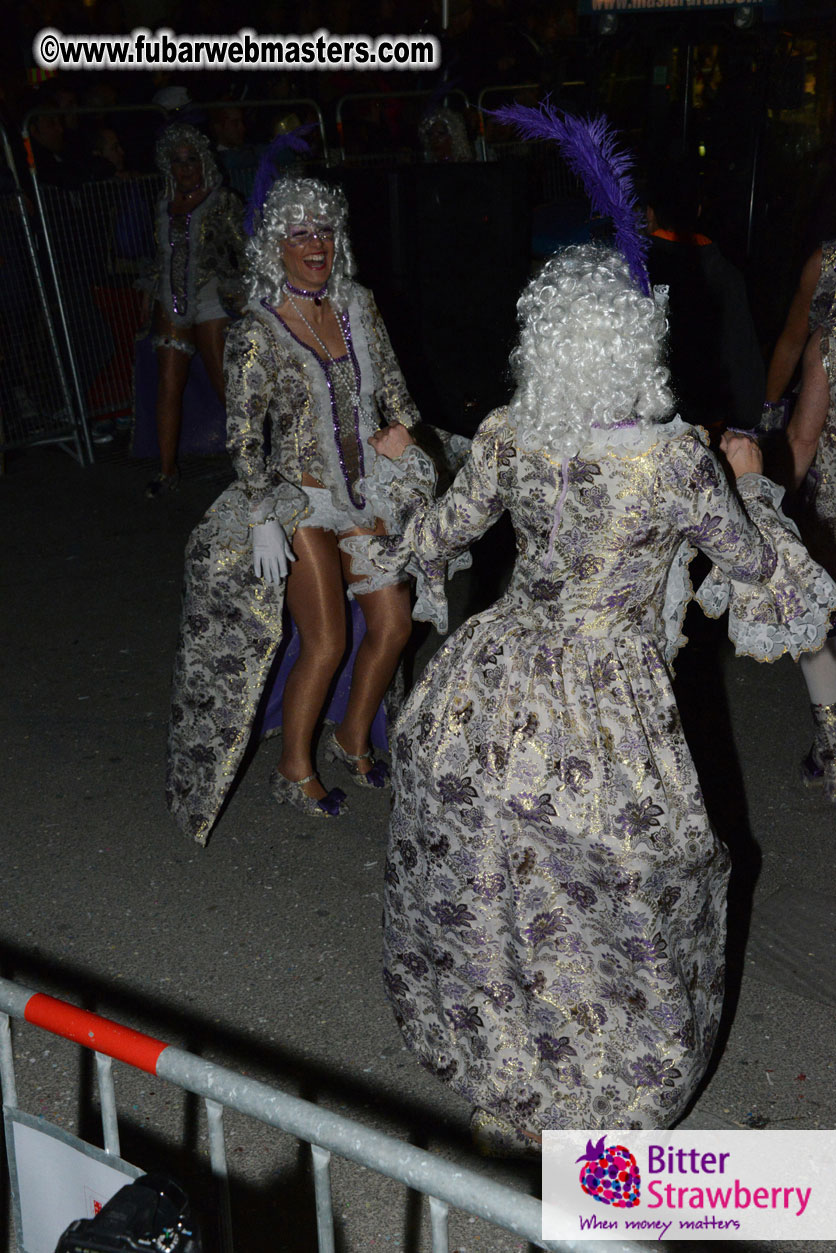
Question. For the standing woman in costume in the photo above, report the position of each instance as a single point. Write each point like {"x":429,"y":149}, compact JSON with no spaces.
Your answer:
{"x":309,"y":370}
{"x":555,"y":899}
{"x":196,"y":283}
{"x":808,"y":335}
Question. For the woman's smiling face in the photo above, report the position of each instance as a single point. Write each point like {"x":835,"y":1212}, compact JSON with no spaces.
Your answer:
{"x":308,"y":254}
{"x":186,"y":169}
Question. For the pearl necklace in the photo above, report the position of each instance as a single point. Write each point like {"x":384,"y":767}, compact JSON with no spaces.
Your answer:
{"x":350,"y":373}
{"x":326,"y":350}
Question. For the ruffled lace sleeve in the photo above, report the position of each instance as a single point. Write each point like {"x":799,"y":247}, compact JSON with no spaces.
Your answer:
{"x":790,"y":612}
{"x":251,"y":374}
{"x":431,"y":537}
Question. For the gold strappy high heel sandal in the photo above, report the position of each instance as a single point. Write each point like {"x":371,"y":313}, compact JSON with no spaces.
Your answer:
{"x":376,"y":776}
{"x":291,"y":792}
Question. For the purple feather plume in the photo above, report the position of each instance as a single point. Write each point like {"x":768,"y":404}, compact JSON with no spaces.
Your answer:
{"x":589,"y":148}
{"x":265,"y":175}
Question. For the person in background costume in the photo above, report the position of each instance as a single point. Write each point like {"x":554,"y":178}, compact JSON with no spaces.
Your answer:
{"x":811,"y":439}
{"x":196,"y":283}
{"x":555,"y":897}
{"x":309,"y":372}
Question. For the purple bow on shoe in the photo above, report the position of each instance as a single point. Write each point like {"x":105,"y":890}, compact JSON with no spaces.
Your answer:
{"x":378,"y":775}
{"x":333,"y":801}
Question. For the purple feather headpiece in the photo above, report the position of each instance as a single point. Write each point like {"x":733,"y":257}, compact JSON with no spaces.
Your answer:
{"x":266,"y":174}
{"x":588,"y":146}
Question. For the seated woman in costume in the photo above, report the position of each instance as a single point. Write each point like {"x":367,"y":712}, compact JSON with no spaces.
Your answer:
{"x":196,"y":282}
{"x":309,"y":371}
{"x":555,"y":896}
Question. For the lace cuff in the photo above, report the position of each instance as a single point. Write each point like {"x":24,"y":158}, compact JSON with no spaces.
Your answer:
{"x":396,"y":489}
{"x":234,"y":515}
{"x":791,"y":613}
{"x":285,"y":503}
{"x":679,"y":592}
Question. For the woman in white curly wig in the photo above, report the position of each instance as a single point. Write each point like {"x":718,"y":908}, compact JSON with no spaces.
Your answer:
{"x":309,"y":373}
{"x":196,"y":283}
{"x":555,"y":896}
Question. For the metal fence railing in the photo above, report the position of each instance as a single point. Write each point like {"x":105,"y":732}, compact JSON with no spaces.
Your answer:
{"x":102,"y":240}
{"x":443,"y":1183}
{"x":551,"y":179}
{"x":36,"y":403}
{"x":95,"y":236}
{"x":74,"y":247}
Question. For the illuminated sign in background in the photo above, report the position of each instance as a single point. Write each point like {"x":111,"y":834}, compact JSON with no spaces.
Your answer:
{"x":656,"y":6}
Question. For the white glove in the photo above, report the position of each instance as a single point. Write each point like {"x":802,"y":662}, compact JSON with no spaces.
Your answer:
{"x":271,"y":552}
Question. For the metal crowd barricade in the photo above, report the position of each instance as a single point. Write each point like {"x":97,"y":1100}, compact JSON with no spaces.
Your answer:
{"x":392,"y":119}
{"x":515,"y":93}
{"x":442,"y":1182}
{"x":36,"y":405}
{"x":97,"y":239}
{"x":102,"y":237}
{"x":552,"y":178}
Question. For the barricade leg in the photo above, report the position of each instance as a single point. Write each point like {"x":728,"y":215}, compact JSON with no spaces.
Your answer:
{"x":324,"y":1206}
{"x":438,"y":1225}
{"x":107,"y":1098}
{"x":217,"y":1156}
{"x":7,"y":1063}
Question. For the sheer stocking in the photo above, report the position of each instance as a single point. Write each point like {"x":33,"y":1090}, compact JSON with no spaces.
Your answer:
{"x":388,"y":617}
{"x":819,"y":670}
{"x":315,"y":601}
{"x":172,"y":373}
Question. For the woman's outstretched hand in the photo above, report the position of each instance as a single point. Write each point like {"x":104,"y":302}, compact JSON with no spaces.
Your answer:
{"x":390,"y":441}
{"x":743,"y":454}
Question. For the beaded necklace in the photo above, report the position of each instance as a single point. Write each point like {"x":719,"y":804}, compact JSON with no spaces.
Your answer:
{"x":342,"y":376}
{"x":178,"y":242}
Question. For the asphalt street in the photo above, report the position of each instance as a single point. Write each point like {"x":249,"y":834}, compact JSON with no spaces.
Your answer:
{"x":263,"y":950}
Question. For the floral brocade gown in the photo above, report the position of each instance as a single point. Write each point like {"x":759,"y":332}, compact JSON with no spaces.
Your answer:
{"x":555,"y":896}
{"x":819,"y":519}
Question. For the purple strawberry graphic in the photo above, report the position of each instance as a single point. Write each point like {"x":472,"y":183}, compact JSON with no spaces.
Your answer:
{"x":610,"y":1174}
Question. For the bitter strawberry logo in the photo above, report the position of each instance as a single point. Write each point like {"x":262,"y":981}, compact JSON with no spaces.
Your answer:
{"x":610,"y":1174}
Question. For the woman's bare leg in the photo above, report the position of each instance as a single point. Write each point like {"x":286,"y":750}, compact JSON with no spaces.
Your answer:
{"x":388,"y":616}
{"x":172,"y":372}
{"x":316,"y":603}
{"x":209,"y":338}
{"x":808,"y":417}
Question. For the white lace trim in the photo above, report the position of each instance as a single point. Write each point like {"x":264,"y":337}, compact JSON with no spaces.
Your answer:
{"x":807,"y":631}
{"x":623,"y":441}
{"x":679,"y":591}
{"x":321,"y":399}
{"x":430,"y":597}
{"x":769,"y":642}
{"x":398,"y":487}
{"x":636,"y":439}
{"x":233,"y":517}
{"x":395,"y":485}
{"x":374,"y":577}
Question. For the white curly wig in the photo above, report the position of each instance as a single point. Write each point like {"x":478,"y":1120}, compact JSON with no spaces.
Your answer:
{"x":590,"y":352}
{"x":181,"y":135}
{"x":443,"y":123}
{"x":291,"y":201}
